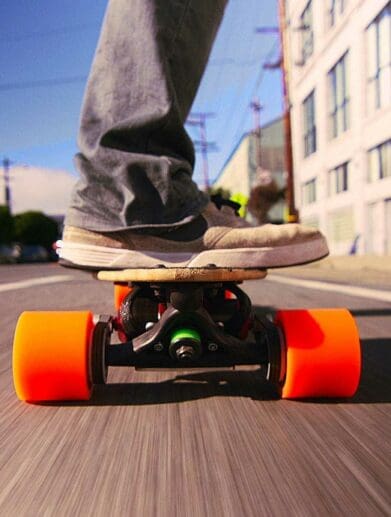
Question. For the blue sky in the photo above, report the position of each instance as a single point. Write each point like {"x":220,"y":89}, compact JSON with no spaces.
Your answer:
{"x":53,"y":41}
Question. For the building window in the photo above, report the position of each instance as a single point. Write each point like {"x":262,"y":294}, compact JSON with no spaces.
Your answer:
{"x":379,"y":60}
{"x":341,"y":227}
{"x":309,"y":192}
{"x":339,"y":179}
{"x":307,"y":33}
{"x":335,"y":10}
{"x":379,"y":162}
{"x":339,"y":98}
{"x":388,"y":226}
{"x":312,"y":222}
{"x":309,"y":124}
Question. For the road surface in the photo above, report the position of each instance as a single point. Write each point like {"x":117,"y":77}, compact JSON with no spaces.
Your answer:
{"x":210,"y":443}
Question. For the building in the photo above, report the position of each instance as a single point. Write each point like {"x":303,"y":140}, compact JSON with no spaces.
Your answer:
{"x":241,"y":173}
{"x":339,"y":56}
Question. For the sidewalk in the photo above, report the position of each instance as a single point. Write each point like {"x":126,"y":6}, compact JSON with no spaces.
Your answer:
{"x":365,"y":270}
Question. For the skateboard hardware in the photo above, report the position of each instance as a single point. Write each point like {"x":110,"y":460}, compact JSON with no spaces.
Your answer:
{"x":173,"y":319}
{"x":199,"y":326}
{"x":185,"y":344}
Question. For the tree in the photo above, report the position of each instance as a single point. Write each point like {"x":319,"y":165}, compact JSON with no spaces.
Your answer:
{"x":6,"y":225}
{"x":35,"y":228}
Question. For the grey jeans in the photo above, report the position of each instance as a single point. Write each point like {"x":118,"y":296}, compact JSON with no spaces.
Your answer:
{"x":136,"y":159}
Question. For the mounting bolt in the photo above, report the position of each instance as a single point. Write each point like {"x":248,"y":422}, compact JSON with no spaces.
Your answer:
{"x":213,"y":347}
{"x":185,"y":352}
{"x":158,"y":347}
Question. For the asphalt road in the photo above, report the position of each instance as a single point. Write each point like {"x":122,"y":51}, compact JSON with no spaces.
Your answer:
{"x":211,"y":443}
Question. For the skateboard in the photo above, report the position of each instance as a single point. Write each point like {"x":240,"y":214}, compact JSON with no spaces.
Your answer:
{"x":185,"y":318}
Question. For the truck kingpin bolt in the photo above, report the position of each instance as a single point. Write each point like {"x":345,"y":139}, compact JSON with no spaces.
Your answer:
{"x":185,"y":352}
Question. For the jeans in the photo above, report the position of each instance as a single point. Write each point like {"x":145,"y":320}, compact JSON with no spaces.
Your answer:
{"x":136,"y":159}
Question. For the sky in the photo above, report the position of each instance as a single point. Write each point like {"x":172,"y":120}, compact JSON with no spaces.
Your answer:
{"x":46,"y":49}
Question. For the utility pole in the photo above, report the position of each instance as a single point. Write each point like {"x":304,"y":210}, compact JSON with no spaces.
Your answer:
{"x":202,"y":145}
{"x":263,"y":176}
{"x":293,"y":215}
{"x":284,"y":65}
{"x":7,"y":188}
{"x":256,"y":109}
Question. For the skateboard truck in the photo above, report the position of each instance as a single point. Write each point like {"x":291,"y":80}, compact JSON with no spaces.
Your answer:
{"x":185,"y":318}
{"x":193,"y":325}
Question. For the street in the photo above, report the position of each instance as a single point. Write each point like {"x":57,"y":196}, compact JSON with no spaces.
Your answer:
{"x":199,"y":443}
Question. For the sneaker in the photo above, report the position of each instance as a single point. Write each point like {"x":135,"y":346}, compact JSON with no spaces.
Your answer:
{"x":216,"y":238}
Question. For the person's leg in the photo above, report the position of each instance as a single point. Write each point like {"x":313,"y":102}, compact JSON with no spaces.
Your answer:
{"x":136,"y":159}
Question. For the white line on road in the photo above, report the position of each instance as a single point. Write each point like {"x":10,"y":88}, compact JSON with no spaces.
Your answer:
{"x":361,"y":292}
{"x":22,"y":284}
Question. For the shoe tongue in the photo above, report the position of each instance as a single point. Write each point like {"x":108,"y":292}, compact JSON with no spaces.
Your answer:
{"x":186,"y":232}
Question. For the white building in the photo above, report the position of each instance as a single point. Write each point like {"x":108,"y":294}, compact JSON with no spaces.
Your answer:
{"x":340,"y":93}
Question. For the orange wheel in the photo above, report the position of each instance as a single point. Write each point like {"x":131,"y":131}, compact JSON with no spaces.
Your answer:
{"x":51,"y":356}
{"x":120,"y":293}
{"x":323,"y":355}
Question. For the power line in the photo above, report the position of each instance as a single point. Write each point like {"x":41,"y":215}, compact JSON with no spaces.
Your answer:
{"x":257,"y":84}
{"x":199,"y":119}
{"x":42,"y":83}
{"x":82,"y":78}
{"x":233,"y":62}
{"x":71,"y":29}
{"x":262,"y":71}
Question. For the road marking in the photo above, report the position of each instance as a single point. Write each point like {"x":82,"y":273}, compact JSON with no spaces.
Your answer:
{"x":23,"y":284}
{"x":361,"y":292}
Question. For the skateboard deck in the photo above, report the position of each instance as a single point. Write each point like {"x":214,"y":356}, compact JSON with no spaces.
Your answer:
{"x":182,"y":275}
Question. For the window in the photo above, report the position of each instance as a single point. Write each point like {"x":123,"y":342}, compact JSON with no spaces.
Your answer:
{"x":339,"y":99}
{"x":388,"y":226}
{"x":309,"y":124}
{"x":341,"y":227}
{"x":339,"y":179}
{"x":379,"y":162}
{"x":309,"y":192}
{"x":335,"y":10}
{"x":379,"y":60}
{"x":312,"y":222}
{"x":307,"y":33}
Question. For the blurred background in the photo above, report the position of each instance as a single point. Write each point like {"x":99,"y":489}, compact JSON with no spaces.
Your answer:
{"x":292,"y":119}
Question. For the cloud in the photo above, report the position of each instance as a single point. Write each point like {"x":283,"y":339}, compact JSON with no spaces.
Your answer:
{"x":34,"y":188}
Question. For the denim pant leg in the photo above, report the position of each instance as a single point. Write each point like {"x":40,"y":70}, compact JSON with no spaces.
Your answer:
{"x":136,"y":159}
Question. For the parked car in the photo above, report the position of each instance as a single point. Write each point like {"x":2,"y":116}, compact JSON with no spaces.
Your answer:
{"x":8,"y":254}
{"x":31,"y":253}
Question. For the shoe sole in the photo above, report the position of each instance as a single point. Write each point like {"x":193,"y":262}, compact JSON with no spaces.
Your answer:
{"x":86,"y":256}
